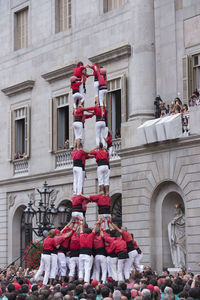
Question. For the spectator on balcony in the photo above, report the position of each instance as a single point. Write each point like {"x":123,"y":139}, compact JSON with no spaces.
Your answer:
{"x":177,"y":109}
{"x":177,"y":101}
{"x":185,"y":109}
{"x":66,"y":145}
{"x":157,"y":103}
{"x":194,"y":100}
{"x":117,"y":133}
{"x":19,"y":155}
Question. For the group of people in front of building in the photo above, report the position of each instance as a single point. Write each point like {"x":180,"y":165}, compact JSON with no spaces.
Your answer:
{"x":106,"y":251}
{"x":89,"y":254}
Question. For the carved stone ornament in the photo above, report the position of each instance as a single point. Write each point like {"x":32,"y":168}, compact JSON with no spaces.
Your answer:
{"x":53,"y":195}
{"x":11,"y":200}
{"x":31,"y":197}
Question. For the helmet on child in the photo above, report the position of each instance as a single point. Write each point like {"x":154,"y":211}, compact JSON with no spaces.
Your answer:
{"x":103,"y":71}
{"x":73,"y":79}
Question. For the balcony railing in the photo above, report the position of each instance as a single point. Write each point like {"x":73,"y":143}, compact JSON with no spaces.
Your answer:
{"x":20,"y":167}
{"x":116,"y":146}
{"x":64,"y":157}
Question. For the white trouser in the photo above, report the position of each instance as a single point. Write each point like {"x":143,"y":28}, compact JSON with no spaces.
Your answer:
{"x":83,"y":137}
{"x":62,"y":268}
{"x":103,"y":175}
{"x":102,"y":96}
{"x":78,"y":180}
{"x":78,"y":130}
{"x":54,"y":266}
{"x":45,"y":264}
{"x":113,"y":267}
{"x":83,"y":173}
{"x":131,"y":260}
{"x":77,"y":214}
{"x":100,"y":264}
{"x":82,"y":92}
{"x":84,"y":267}
{"x":123,"y":269}
{"x":96,"y":88}
{"x":108,"y":266}
{"x":110,"y":150}
{"x":73,"y":264}
{"x":137,"y":264}
{"x":77,"y":96}
{"x":100,"y":132}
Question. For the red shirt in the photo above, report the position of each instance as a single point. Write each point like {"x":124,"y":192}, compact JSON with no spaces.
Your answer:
{"x":120,"y":245}
{"x":98,"y":242}
{"x":84,"y":157}
{"x":86,"y":240}
{"x":78,"y":154}
{"x":86,"y":117}
{"x":101,"y":200}
{"x":49,"y":244}
{"x":97,"y":111}
{"x":75,"y":85}
{"x":79,"y":203}
{"x":78,"y":112}
{"x":75,"y":242}
{"x":109,"y":243}
{"x":65,"y":243}
{"x":95,"y":68}
{"x":100,"y":155}
{"x":126,"y":236}
{"x":77,"y":199}
{"x":78,"y":71}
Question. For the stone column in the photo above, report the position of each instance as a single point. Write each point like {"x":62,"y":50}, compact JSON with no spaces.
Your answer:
{"x":142,"y":71}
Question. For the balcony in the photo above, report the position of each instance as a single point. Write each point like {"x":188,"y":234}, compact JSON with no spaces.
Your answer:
{"x":64,"y":157}
{"x":20,"y":167}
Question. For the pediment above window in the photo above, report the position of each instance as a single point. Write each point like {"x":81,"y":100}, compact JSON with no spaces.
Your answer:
{"x":59,"y":73}
{"x":19,"y":88}
{"x":118,"y":52}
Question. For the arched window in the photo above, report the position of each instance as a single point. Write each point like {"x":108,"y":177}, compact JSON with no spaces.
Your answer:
{"x":116,"y":209}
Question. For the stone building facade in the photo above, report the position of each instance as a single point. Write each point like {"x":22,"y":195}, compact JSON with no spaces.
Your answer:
{"x":148,"y":47}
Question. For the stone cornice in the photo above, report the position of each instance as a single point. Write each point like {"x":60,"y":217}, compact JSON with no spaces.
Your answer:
{"x":59,"y":73}
{"x":169,"y":145}
{"x":19,"y":88}
{"x":120,"y":51}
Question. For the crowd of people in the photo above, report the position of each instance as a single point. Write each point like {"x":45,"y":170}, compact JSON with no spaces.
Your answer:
{"x":17,"y":283}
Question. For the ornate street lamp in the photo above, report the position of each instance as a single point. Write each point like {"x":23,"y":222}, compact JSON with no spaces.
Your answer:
{"x":43,"y":214}
{"x":64,"y":214}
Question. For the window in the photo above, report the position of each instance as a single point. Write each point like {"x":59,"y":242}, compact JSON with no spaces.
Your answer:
{"x":61,"y":123}
{"x":20,"y":132}
{"x":191,"y":75}
{"x":62,"y":15}
{"x":116,"y":104}
{"x":109,"y":5}
{"x":21,"y":29}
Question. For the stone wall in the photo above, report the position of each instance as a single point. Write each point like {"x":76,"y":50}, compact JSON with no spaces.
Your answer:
{"x":151,"y":173}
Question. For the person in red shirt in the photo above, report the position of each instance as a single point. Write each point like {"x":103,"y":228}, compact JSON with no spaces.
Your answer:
{"x":121,"y":251}
{"x":112,"y":259}
{"x":67,"y":231}
{"x":74,"y":248}
{"x":54,"y":260}
{"x":79,"y":120}
{"x":45,"y":263}
{"x":79,"y":72}
{"x":79,"y":205}
{"x":85,"y":257}
{"x":102,"y":77}
{"x":78,"y":156}
{"x":100,"y":261}
{"x":103,"y":172}
{"x":76,"y":95}
{"x":100,"y":124}
{"x":95,"y":68}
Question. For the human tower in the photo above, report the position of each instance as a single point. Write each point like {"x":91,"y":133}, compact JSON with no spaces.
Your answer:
{"x":105,"y":252}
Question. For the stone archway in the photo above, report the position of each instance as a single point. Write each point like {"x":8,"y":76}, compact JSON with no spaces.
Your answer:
{"x":116,"y":208}
{"x":18,"y":235}
{"x":164,"y":197}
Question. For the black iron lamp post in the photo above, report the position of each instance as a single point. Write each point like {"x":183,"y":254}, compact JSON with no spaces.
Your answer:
{"x":43,"y":214}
